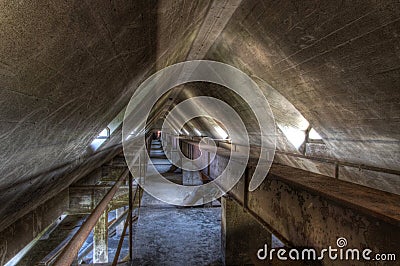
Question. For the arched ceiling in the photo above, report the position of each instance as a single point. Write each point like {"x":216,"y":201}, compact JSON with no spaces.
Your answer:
{"x":336,"y":63}
{"x":68,"y":68}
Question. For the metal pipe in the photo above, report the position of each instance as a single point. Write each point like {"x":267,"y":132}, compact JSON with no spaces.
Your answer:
{"x":130,"y":218}
{"x":70,"y":252}
{"x":246,"y":188}
{"x":131,"y":202}
{"x":111,"y":229}
{"x":336,"y":170}
{"x":121,"y":241}
{"x":140,"y":192}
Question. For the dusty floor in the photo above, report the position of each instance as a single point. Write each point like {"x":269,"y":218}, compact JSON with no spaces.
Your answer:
{"x":178,"y":236}
{"x":163,"y":235}
{"x":173,"y":235}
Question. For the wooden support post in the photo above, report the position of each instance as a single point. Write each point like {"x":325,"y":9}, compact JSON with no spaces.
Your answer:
{"x":118,"y":212}
{"x":100,"y":239}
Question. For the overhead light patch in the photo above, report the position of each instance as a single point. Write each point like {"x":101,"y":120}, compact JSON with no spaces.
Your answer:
{"x":313,"y":135}
{"x":222,"y":133}
{"x":295,"y":136}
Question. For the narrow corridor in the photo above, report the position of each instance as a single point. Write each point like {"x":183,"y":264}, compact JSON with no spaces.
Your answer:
{"x":168,"y":234}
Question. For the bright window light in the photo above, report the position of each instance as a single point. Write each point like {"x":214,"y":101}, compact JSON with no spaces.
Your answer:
{"x":222,"y":133}
{"x":100,"y":139}
{"x":104,"y":133}
{"x":186,"y":132}
{"x":294,"y":135}
{"x":197,"y":131}
{"x":96,"y":143}
{"x":313,"y":135}
{"x":133,"y":133}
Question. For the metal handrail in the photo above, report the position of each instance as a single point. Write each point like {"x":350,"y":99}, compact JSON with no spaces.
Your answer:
{"x":70,"y":252}
{"x":333,"y":161}
{"x":128,"y":221}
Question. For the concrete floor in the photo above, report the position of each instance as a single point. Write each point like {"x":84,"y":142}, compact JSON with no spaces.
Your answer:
{"x":163,"y":235}
{"x":173,"y":235}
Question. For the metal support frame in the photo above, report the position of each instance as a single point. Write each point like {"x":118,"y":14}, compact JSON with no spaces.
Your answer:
{"x":121,"y":240}
{"x":69,"y":254}
{"x":71,"y":250}
{"x":130,"y":219}
{"x":333,"y":161}
{"x":245,"y":189}
{"x":112,"y":226}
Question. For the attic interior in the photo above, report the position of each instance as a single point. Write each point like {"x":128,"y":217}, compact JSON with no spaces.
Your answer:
{"x":77,"y":174}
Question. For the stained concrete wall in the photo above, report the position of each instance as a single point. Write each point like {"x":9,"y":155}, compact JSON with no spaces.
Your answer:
{"x":100,"y":239}
{"x":15,"y":237}
{"x":242,"y":236}
{"x":310,"y":220}
{"x":83,"y":200}
{"x":336,"y":64}
{"x":310,"y":212}
{"x":67,"y":69}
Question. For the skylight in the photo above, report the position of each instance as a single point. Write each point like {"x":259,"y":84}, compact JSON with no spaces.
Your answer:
{"x":197,"y":131}
{"x":99,"y":140}
{"x":313,"y":135}
{"x":106,"y":132}
{"x":222,"y":133}
{"x":295,"y":136}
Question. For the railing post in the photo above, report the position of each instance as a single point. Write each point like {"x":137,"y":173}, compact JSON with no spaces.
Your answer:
{"x":70,"y":252}
{"x":130,"y":219}
{"x":100,"y":239}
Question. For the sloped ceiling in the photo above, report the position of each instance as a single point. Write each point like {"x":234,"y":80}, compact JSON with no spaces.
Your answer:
{"x":337,"y":63}
{"x":68,"y":67}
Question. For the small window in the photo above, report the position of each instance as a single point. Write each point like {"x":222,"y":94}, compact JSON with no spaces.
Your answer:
{"x":104,"y":134}
{"x":295,"y":136}
{"x":186,"y":132}
{"x":222,"y":133}
{"x":313,"y":135}
{"x":197,"y":131}
{"x":101,"y":138}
